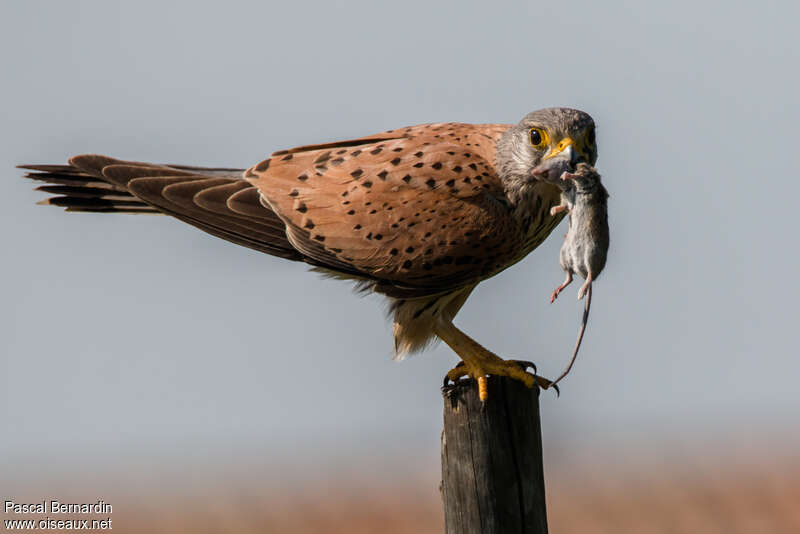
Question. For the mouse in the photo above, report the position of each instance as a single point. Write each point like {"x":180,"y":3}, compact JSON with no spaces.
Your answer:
{"x":585,"y":247}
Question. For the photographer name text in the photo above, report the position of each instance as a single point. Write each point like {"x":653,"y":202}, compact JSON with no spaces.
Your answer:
{"x":57,"y":507}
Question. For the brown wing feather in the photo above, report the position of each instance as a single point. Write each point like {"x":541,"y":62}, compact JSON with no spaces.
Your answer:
{"x":247,"y":203}
{"x":174,"y":195}
{"x":338,"y":144}
{"x":414,"y":211}
{"x":422,"y":210}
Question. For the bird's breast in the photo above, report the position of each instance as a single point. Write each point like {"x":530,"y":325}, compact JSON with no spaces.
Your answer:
{"x":531,"y":213}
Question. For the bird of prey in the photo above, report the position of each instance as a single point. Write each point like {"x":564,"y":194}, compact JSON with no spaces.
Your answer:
{"x":420,"y":214}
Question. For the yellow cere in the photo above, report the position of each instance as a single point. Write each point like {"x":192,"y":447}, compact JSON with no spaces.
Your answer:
{"x":563,"y":144}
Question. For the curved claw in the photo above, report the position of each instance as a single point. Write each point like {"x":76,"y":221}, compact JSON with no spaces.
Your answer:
{"x":541,"y":381}
{"x":447,"y":375}
{"x":544,"y":383}
{"x":525,"y":364}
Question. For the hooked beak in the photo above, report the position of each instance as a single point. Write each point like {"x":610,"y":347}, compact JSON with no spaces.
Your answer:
{"x":565,"y":149}
{"x":560,"y":159}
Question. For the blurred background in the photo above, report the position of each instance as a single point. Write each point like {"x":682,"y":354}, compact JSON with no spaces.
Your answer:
{"x":172,"y":374}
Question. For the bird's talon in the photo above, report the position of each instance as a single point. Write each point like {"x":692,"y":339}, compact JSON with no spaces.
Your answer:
{"x":455,"y":374}
{"x":515,"y":369}
{"x":483,"y":389}
{"x":544,"y":383}
{"x":525,"y":364}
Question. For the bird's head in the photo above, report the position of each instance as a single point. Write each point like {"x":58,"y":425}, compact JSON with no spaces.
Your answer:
{"x":545,"y":144}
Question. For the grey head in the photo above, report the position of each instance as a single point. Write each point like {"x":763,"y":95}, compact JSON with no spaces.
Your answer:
{"x":543,"y":145}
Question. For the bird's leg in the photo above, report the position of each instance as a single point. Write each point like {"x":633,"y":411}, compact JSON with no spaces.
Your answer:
{"x":479,"y":362}
{"x":560,"y":288}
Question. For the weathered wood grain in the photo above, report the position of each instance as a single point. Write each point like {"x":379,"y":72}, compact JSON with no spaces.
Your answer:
{"x":492,"y":474}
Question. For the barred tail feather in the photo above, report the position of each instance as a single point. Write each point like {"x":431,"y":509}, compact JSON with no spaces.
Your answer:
{"x":216,"y":200}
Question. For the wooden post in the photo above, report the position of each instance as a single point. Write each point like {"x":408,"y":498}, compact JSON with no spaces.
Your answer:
{"x":492,"y":475}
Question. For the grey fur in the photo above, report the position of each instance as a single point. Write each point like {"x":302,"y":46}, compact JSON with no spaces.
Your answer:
{"x":585,"y":247}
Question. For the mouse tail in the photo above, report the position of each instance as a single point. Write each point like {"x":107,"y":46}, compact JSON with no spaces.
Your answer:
{"x":588,"y":304}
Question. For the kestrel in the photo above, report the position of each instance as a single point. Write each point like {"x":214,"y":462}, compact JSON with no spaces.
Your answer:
{"x":421,"y":214}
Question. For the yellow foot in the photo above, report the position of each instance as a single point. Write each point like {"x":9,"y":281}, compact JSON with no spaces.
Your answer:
{"x":510,"y":368}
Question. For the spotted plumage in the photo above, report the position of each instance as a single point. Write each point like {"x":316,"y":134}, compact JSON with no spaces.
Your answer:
{"x":420,"y":214}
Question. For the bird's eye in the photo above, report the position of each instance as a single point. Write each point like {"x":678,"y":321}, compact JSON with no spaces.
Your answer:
{"x":590,"y":136}
{"x":538,"y":137}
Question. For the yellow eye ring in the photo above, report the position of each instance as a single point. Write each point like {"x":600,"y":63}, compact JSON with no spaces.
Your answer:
{"x":538,"y":138}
